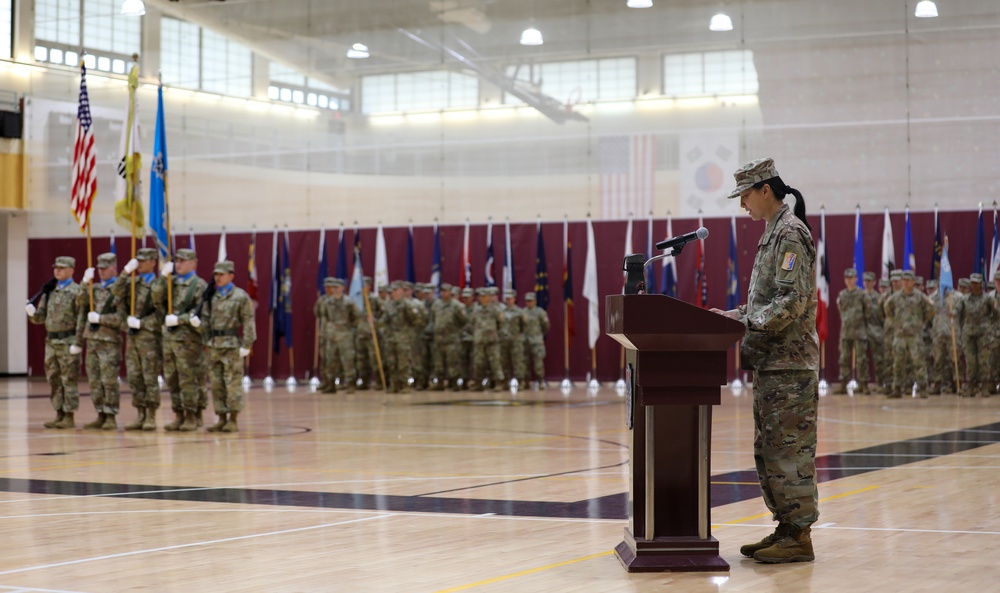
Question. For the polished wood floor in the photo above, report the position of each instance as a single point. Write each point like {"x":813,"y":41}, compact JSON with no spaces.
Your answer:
{"x":447,"y":492}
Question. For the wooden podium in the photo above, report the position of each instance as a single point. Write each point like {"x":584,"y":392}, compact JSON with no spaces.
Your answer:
{"x":675,"y":366}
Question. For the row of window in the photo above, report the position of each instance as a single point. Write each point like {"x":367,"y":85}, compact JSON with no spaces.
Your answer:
{"x":6,"y":29}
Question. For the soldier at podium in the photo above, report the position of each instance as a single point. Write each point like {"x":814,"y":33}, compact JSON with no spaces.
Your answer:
{"x":782,"y":349}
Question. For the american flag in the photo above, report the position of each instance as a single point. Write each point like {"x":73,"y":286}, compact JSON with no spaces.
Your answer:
{"x":84,"y":160}
{"x":627,"y":167}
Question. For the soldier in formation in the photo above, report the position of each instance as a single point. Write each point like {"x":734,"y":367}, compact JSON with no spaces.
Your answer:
{"x":338,"y":321}
{"x":183,"y":349}
{"x":853,"y":303}
{"x":103,"y":334}
{"x":908,"y":312}
{"x":142,"y":294}
{"x":536,"y":325}
{"x":976,"y":313}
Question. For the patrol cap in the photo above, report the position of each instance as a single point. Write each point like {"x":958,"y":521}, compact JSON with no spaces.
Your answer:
{"x":186,"y":255}
{"x":963,"y":282}
{"x":883,"y":283}
{"x":467,"y":292}
{"x":482,"y":291}
{"x":920,"y":280}
{"x":509,"y":294}
{"x":368,"y":279}
{"x":529,"y":296}
{"x":932,"y":283}
{"x":333,"y":282}
{"x":146,"y":253}
{"x":406,"y":285}
{"x":492,"y":291}
{"x":65,"y":261}
{"x":850,"y":273}
{"x":445,"y":287}
{"x":419,"y":287}
{"x":908,"y":275}
{"x":106,"y":260}
{"x":976,"y":277}
{"x":896,"y":275}
{"x":224,"y":267}
{"x":395,"y":284}
{"x":753,"y":173}
{"x":869,"y":276}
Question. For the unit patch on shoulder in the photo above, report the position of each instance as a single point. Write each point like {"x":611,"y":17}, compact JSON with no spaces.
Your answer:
{"x":789,"y":263}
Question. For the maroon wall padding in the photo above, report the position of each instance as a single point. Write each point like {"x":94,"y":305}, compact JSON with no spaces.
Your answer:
{"x":609,"y":237}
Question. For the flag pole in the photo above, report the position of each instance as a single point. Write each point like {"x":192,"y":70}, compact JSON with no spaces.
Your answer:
{"x":133,"y":83}
{"x":90,"y":264}
{"x":166,"y":207}
{"x":954,"y":344}
{"x":291,"y":363}
{"x":371,"y":324}
{"x":316,"y":349}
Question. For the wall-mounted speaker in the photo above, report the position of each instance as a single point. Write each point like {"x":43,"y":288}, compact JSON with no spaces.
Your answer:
{"x":11,"y":123}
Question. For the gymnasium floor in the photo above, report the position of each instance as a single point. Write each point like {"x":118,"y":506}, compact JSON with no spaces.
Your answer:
{"x":447,"y":492}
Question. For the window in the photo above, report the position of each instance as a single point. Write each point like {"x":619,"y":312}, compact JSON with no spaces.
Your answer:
{"x":199,"y":59}
{"x":292,"y":86}
{"x":108,"y":35}
{"x":106,"y":30}
{"x":579,"y":81}
{"x":418,"y":91}
{"x":710,"y":73}
{"x":6,"y":24}
{"x":180,"y":53}
{"x":58,"y":21}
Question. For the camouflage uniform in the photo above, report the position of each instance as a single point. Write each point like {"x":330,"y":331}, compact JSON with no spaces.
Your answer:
{"x":889,"y":358}
{"x":59,"y":311}
{"x":512,"y":340}
{"x":852,"y":303}
{"x":184,"y":364}
{"x":468,"y":298}
{"x":976,"y":314}
{"x":487,"y":325}
{"x":338,"y":318}
{"x":104,"y":345}
{"x":447,"y":319}
{"x":404,"y":319}
{"x":228,"y":310}
{"x":536,"y":325}
{"x":364,"y":343}
{"x":782,"y":348}
{"x":143,"y":346}
{"x":994,"y":366}
{"x":416,"y":329}
{"x":942,"y":375}
{"x":874,"y":324}
{"x":909,"y":313}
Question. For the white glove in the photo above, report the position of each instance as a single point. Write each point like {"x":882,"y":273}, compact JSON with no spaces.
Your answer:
{"x":195,"y":322}
{"x":131,"y":266}
{"x":133,"y":322}
{"x":30,"y":310}
{"x":94,"y":317}
{"x":74,"y":350}
{"x":168,"y":269}
{"x":88,"y":275}
{"x":171,"y":320}
{"x":244,"y":352}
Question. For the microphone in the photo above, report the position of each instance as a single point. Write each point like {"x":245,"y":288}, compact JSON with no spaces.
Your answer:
{"x":684,"y":239}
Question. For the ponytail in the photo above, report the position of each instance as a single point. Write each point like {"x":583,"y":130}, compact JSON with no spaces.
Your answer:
{"x":781,"y":190}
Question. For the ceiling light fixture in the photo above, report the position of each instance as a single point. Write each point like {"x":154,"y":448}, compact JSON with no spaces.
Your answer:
{"x":720,"y":22}
{"x":358,"y":51}
{"x":639,"y":3}
{"x":531,"y":36}
{"x":926,"y":9}
{"x":133,"y":8}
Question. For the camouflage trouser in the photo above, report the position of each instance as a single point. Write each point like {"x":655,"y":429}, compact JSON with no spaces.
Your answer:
{"x":225,"y":372}
{"x":62,"y":371}
{"x":977,"y":353}
{"x":421,"y":366}
{"x":486,"y":353}
{"x":512,"y":357}
{"x":367,"y":364}
{"x":994,"y":375}
{"x":535,"y":351}
{"x":467,"y":358}
{"x":143,"y":361}
{"x":860,"y":360}
{"x":399,"y":363}
{"x":184,"y":371}
{"x":876,"y":345}
{"x":909,"y":354}
{"x":784,"y":447}
{"x":338,"y":359}
{"x":943,"y":369}
{"x":448,"y":359}
{"x":104,"y":362}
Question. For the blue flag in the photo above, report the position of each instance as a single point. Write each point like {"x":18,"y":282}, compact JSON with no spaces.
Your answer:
{"x":938,"y":248}
{"x":489,"y":280}
{"x":112,"y":248}
{"x":324,"y":267}
{"x":159,"y":218}
{"x":411,"y":271}
{"x":909,"y":257}
{"x":436,"y":262}
{"x":946,"y":283}
{"x":979,"y":263}
{"x":859,"y":250}
{"x":286,"y":293}
{"x":733,"y":287}
{"x":341,"y":258}
{"x":541,"y":273}
{"x":358,"y":277}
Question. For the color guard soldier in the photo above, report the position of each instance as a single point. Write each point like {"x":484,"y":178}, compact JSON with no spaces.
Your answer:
{"x":910,"y":311}
{"x":512,"y":338}
{"x":183,"y":345}
{"x":942,"y":355}
{"x":447,"y":319}
{"x":874,"y":323}
{"x":104,"y":340}
{"x":338,"y":317}
{"x":367,"y":362}
{"x":976,"y":313}
{"x":852,"y":304}
{"x":536,"y":325}
{"x":487,"y":324}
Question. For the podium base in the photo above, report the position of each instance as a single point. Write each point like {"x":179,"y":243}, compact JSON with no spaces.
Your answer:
{"x":670,"y":554}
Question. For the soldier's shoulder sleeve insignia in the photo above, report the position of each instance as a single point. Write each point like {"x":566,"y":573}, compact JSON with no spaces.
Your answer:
{"x":788,"y":264}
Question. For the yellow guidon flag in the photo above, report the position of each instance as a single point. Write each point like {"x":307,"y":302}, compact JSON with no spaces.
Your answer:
{"x":128,"y":189}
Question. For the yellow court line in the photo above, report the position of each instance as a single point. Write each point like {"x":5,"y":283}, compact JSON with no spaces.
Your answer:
{"x":768,"y":514}
{"x":523,"y":573}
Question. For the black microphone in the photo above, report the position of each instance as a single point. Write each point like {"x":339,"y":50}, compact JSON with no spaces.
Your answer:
{"x":684,"y":239}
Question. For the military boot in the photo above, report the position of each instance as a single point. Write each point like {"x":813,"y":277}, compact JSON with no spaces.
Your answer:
{"x":779,"y":532}
{"x":842,"y":390}
{"x":150,"y":422}
{"x":795,"y":546}
{"x":66,"y":422}
{"x":179,"y":418}
{"x":231,"y":426}
{"x":199,"y":421}
{"x":864,"y":389}
{"x":96,"y":424}
{"x":140,"y":419}
{"x":52,"y":423}
{"x":189,"y":423}
{"x":934,"y":389}
{"x":223,"y":419}
{"x":109,"y":422}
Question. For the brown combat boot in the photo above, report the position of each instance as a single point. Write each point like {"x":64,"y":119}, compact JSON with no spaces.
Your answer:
{"x":223,"y":419}
{"x":779,"y":532}
{"x":137,"y":424}
{"x":179,"y":417}
{"x":52,"y":423}
{"x":96,"y":424}
{"x":231,"y":426}
{"x":150,"y":422}
{"x":796,"y":546}
{"x":199,"y":421}
{"x":190,"y":422}
{"x":109,"y":422}
{"x":66,"y":422}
